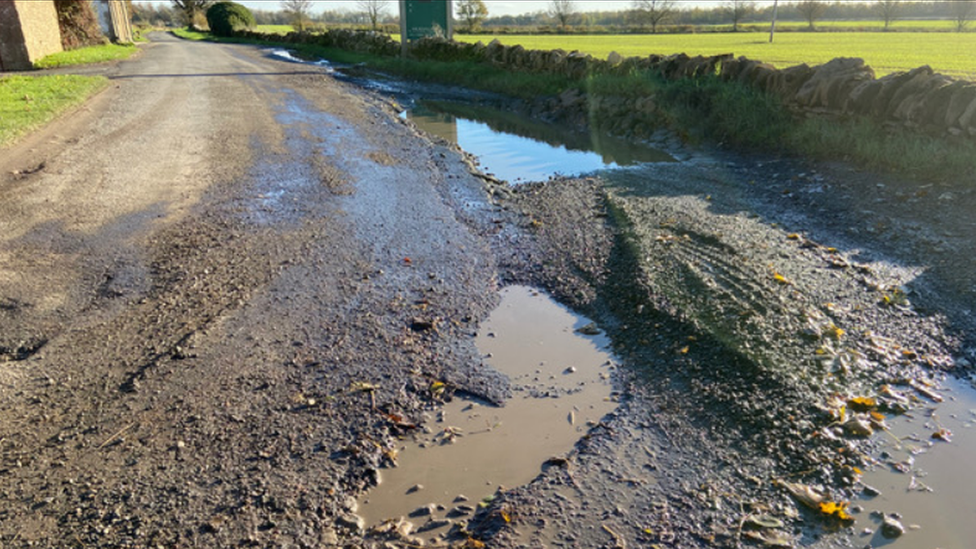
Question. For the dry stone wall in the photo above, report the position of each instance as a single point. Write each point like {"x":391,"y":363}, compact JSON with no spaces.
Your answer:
{"x":920,"y":99}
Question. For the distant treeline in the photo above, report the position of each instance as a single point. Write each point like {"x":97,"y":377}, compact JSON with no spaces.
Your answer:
{"x":686,"y":16}
{"x":165,"y":15}
{"x":695,"y":16}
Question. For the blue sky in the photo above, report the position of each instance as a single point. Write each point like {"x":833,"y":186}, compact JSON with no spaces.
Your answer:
{"x":495,"y":7}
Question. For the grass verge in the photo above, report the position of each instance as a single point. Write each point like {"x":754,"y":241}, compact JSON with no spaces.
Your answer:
{"x":85,"y":56}
{"x":28,"y":102}
{"x":700,"y":110}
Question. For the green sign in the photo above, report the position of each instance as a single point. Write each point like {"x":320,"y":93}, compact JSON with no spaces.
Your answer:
{"x":422,"y":18}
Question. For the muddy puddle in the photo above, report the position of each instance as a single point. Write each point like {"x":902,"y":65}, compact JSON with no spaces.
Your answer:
{"x":927,"y":480}
{"x":517,"y":149}
{"x":508,"y":145}
{"x":560,"y":381}
{"x":922,"y":476}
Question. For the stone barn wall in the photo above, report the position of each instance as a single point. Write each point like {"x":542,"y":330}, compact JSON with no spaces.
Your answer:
{"x":28,"y":31}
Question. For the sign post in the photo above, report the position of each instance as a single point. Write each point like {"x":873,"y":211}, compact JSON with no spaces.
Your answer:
{"x":422,"y":18}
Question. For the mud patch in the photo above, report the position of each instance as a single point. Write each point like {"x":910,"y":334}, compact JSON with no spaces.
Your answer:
{"x":382,"y":158}
{"x":21,"y":351}
{"x":560,"y":380}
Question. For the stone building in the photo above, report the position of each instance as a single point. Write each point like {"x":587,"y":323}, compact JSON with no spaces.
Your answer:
{"x":113,"y":17}
{"x":29,"y":29}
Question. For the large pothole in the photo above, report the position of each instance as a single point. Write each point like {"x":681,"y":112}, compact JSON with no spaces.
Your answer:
{"x":560,"y":372}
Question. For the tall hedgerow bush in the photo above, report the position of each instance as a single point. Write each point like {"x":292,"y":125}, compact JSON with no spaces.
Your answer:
{"x":78,"y":23}
{"x":226,"y":17}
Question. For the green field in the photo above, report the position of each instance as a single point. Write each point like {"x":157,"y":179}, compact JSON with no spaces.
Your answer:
{"x":912,"y":25}
{"x":953,"y":54}
{"x":275,"y":29}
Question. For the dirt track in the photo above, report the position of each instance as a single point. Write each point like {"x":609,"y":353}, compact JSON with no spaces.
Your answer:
{"x":212,"y":274}
{"x":215,"y":253}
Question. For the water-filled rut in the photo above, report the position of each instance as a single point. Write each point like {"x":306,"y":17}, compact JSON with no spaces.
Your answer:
{"x":469,"y":448}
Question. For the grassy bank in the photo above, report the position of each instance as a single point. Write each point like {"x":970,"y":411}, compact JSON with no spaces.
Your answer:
{"x":85,"y":56}
{"x":28,"y":102}
{"x":700,"y":110}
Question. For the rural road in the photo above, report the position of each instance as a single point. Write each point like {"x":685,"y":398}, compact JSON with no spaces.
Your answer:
{"x":196,"y":268}
{"x":231,"y":282}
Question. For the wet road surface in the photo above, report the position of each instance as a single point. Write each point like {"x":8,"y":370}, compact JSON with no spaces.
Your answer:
{"x":237,"y":287}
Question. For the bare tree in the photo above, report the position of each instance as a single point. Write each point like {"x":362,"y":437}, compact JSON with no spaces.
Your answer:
{"x":562,"y":11}
{"x":298,"y":12}
{"x":472,"y":13}
{"x":737,"y":10}
{"x":811,"y":10}
{"x":191,"y":8}
{"x":654,"y":12}
{"x":372,"y":11}
{"x":888,"y":9}
{"x":963,"y":12}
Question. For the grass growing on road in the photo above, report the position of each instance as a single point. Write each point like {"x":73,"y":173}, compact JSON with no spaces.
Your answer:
{"x":85,"y":56}
{"x":28,"y":102}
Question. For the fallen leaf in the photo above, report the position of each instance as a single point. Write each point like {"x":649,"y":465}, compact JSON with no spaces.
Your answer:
{"x":804,"y":494}
{"x":781,"y":279}
{"x":862,"y":404}
{"x":363,"y":387}
{"x":770,"y":539}
{"x":763,"y":521}
{"x":835,"y":509}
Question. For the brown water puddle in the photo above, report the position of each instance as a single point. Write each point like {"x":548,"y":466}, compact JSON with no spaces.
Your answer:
{"x":560,"y":381}
{"x":934,"y":495}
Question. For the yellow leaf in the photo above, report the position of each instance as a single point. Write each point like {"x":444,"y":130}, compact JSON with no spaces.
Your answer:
{"x":793,"y":236}
{"x":506,"y":517}
{"x":781,"y":279}
{"x":835,"y":509}
{"x":863,"y":403}
{"x":684,"y":350}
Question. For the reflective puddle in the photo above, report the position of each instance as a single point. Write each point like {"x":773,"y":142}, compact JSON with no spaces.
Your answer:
{"x":927,"y":482}
{"x":287,"y":55}
{"x":517,"y":149}
{"x":560,"y":382}
{"x":936,"y":492}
